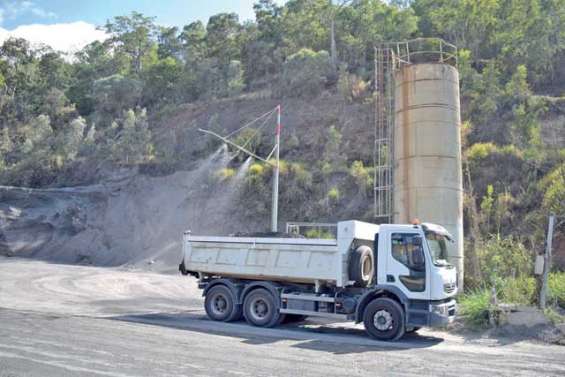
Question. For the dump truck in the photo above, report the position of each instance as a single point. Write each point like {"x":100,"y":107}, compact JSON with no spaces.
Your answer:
{"x":394,"y":278}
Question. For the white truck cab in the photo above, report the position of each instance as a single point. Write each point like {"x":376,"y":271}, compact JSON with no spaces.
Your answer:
{"x":392,"y":277}
{"x":415,"y":262}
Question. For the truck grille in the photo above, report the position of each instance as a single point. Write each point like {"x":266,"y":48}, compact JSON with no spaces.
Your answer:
{"x":449,"y":287}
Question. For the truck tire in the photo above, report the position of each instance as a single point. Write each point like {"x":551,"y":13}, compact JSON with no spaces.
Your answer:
{"x":220,"y":304}
{"x":361,"y":266}
{"x":384,"y":319}
{"x":259,"y":309}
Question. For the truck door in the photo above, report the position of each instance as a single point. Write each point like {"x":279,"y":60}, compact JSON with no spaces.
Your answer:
{"x":406,"y":265}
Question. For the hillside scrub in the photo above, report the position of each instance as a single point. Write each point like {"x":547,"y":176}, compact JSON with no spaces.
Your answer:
{"x":137,"y":100}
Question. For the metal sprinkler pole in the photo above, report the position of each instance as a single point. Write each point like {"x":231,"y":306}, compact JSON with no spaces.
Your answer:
{"x":546,"y":263}
{"x":275,"y":204}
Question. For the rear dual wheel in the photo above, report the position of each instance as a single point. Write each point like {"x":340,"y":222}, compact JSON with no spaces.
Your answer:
{"x":220,"y":304}
{"x":260,"y":309}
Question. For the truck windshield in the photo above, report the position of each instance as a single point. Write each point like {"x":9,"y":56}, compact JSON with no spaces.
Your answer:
{"x":438,"y":248}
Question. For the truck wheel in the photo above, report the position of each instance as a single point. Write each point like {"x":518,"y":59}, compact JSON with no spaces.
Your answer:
{"x":361,"y":266}
{"x":384,"y":319}
{"x":260,"y":310}
{"x":220,"y":304}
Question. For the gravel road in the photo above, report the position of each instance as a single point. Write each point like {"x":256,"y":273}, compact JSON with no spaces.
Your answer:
{"x":62,"y":320}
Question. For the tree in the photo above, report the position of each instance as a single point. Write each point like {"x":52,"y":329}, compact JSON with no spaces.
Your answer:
{"x":305,"y":73}
{"x":115,"y":93}
{"x":54,"y":71}
{"x":193,"y":39}
{"x":169,"y":44}
{"x":469,"y":24}
{"x":162,"y":82}
{"x":71,"y":138}
{"x":134,"y":139}
{"x":222,"y":37}
{"x":132,"y":36}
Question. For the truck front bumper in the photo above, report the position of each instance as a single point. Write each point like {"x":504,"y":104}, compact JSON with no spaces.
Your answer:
{"x":442,"y":314}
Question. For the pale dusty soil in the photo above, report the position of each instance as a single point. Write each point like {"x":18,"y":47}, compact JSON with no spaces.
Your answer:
{"x":59,"y":320}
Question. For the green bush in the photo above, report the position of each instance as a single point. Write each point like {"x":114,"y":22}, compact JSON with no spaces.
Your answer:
{"x":503,"y":258}
{"x":225,"y":173}
{"x":556,"y":292}
{"x":475,"y":306}
{"x":302,"y":176}
{"x":553,"y":185}
{"x":256,"y":169}
{"x":480,"y":151}
{"x":318,"y":233}
{"x":362,"y":175}
{"x":334,"y":194}
{"x":517,"y":291}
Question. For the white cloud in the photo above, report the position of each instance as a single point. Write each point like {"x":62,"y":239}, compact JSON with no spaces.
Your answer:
{"x":68,"y":37}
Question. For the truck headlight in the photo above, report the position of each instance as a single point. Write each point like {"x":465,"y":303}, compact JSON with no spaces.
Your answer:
{"x":439,"y":309}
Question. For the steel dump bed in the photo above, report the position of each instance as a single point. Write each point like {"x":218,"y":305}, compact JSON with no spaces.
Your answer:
{"x":276,"y":259}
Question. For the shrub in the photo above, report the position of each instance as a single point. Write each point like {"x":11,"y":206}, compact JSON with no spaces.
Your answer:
{"x":334,"y":194}
{"x":362,"y":175}
{"x":502,"y":258}
{"x":301,"y":175}
{"x":318,"y":233}
{"x":517,"y":291}
{"x":480,"y":151}
{"x":553,"y":185}
{"x":256,"y":169}
{"x":556,"y":285}
{"x":225,"y":173}
{"x":475,"y":306}
{"x":352,"y":87}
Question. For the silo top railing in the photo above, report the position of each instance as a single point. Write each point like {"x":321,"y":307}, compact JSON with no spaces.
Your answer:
{"x":421,"y":50}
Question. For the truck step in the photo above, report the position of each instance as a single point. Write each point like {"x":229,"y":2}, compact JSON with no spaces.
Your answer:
{"x":307,"y":297}
{"x":314,"y":314}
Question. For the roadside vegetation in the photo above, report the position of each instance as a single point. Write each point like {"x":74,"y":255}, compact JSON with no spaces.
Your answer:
{"x":136,"y":100}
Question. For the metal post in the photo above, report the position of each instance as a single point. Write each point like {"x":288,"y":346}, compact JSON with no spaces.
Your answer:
{"x":275,"y":205}
{"x":546,"y":263}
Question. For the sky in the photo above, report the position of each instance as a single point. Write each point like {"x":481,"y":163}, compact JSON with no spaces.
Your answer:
{"x":68,"y":25}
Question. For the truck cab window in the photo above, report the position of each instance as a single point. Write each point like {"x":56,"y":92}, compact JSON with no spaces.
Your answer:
{"x":407,"y":249}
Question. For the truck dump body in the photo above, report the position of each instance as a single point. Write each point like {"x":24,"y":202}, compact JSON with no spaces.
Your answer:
{"x":277,"y":259}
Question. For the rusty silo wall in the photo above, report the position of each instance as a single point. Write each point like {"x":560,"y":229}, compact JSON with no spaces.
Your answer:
{"x":427,"y":151}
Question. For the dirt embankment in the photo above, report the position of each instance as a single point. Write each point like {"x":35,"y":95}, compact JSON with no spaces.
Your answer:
{"x":129,"y":219}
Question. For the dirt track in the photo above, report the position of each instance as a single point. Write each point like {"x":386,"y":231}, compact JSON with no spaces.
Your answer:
{"x":59,"y":320}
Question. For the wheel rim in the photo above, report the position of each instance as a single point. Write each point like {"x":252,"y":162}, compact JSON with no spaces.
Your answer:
{"x":366,"y":268}
{"x":259,"y":309}
{"x":383,"y":320}
{"x":219,"y":304}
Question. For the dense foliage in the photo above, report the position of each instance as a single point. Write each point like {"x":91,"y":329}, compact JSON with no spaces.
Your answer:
{"x":61,"y":116}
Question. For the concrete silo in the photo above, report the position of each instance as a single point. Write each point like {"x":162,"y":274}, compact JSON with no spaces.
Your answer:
{"x":426,"y":139}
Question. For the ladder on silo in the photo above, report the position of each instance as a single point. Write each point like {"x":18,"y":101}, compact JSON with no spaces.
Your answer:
{"x":384,"y":126}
